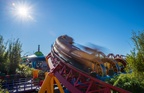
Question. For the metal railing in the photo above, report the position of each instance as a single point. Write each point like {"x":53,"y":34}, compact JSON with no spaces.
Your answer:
{"x":19,"y":85}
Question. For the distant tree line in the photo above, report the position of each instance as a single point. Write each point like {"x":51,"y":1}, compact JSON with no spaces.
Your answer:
{"x":10,"y":55}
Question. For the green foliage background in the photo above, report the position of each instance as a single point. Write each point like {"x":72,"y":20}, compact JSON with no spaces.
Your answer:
{"x":134,"y":79}
{"x":10,"y":55}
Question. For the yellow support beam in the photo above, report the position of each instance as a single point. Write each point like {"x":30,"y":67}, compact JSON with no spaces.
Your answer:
{"x":52,"y":85}
{"x":48,"y":84}
{"x":45,"y":84}
{"x":59,"y":85}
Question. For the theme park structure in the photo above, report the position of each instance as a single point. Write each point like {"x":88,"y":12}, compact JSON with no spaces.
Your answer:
{"x":21,"y":83}
{"x":75,"y":70}
{"x":70,"y":69}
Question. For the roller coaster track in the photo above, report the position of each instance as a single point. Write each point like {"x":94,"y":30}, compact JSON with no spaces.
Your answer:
{"x":75,"y":80}
{"x":69,"y":65}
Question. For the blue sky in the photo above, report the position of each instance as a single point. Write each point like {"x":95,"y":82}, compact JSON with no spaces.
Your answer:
{"x":107,"y":23}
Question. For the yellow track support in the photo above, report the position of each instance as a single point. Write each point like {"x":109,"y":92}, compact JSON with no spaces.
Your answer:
{"x":48,"y":84}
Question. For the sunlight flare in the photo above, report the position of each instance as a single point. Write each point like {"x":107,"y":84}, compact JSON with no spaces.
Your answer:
{"x":22,"y":11}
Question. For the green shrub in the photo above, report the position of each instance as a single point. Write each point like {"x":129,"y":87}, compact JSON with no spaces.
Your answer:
{"x":24,"y":70}
{"x":2,"y":90}
{"x":128,"y":82}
